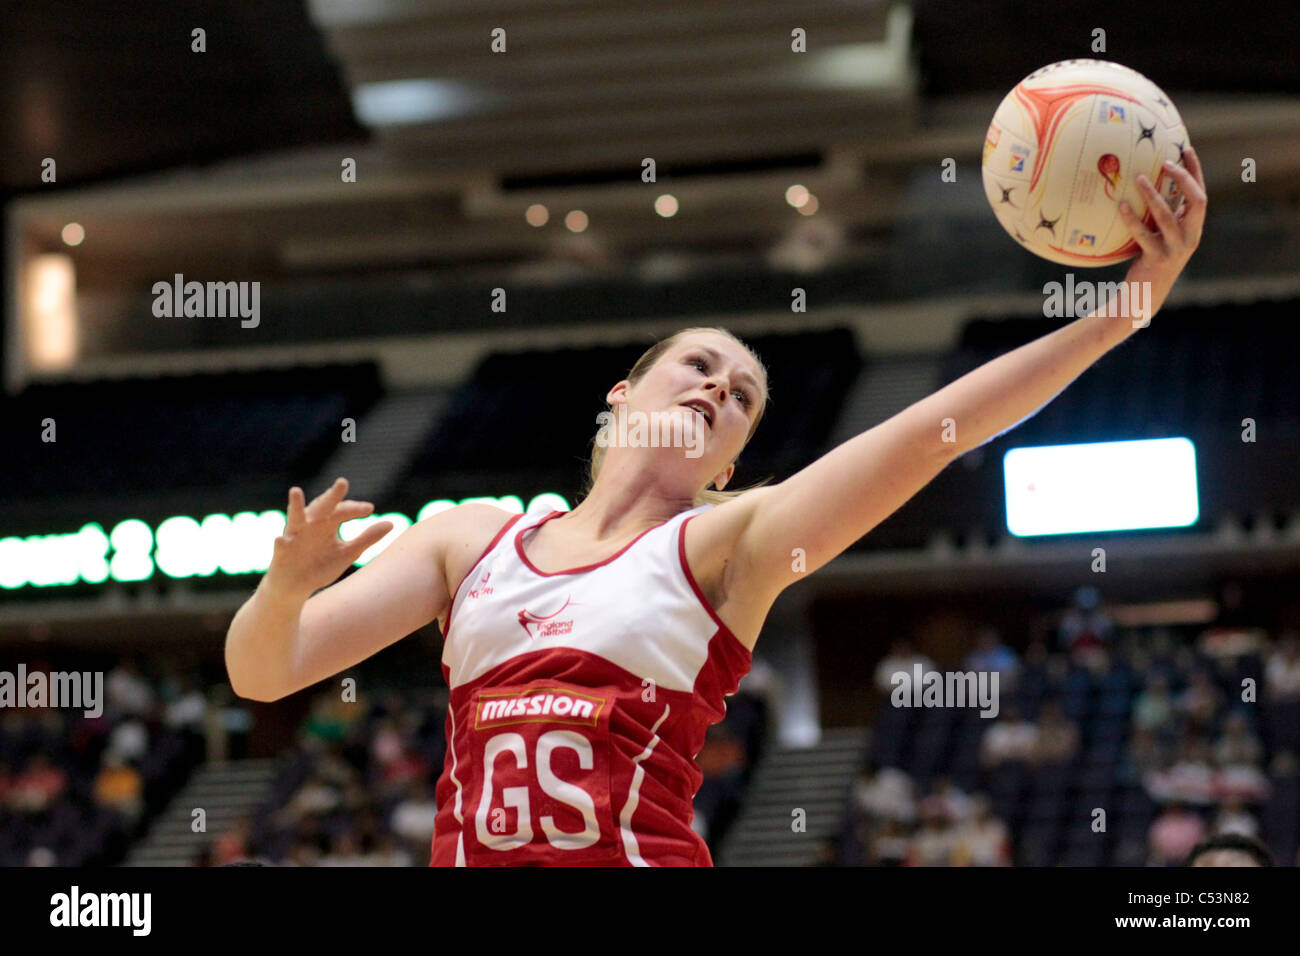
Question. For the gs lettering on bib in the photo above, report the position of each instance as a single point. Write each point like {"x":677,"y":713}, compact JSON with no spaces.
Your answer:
{"x":540,"y":780}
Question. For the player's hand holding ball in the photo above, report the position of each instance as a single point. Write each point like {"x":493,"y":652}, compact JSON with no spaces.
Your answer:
{"x":309,"y":555}
{"x":1166,"y":249}
{"x":1081,"y":163}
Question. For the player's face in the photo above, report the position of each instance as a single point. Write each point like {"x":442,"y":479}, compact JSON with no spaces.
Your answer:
{"x":713,"y":369}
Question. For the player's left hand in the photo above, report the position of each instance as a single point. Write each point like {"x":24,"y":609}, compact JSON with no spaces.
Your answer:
{"x":1166,"y":249}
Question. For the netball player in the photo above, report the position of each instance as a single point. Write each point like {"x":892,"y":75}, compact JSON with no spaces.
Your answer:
{"x":588,"y":651}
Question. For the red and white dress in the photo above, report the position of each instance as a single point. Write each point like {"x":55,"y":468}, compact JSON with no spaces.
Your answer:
{"x":579,"y":700}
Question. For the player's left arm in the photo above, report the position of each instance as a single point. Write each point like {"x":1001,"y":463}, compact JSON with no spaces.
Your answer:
{"x":793,"y":528}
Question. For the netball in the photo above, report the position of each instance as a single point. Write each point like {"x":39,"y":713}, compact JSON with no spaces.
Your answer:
{"x":1066,"y":146}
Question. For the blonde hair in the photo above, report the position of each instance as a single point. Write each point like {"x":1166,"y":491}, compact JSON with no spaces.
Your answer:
{"x":639,"y":370}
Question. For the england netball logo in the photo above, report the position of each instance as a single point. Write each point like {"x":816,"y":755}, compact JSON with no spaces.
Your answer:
{"x":546,"y":624}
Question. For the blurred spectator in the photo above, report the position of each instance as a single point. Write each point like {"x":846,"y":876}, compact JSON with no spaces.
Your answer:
{"x":888,"y":794}
{"x":1282,"y":674}
{"x":1238,"y":745}
{"x":950,"y":800}
{"x":887,"y":843}
{"x":355,"y":798}
{"x":1241,"y":782}
{"x":344,"y":851}
{"x":991,"y":655}
{"x":397,"y":774}
{"x":129,"y":740}
{"x":171,"y":684}
{"x":127,"y":691}
{"x":36,"y":788}
{"x":982,"y":840}
{"x":232,"y":845}
{"x":1234,"y":818}
{"x":1040,"y":662}
{"x":722,"y":762}
{"x":386,"y":744}
{"x":413,"y":817}
{"x":934,"y":843}
{"x":1154,"y":708}
{"x":1199,"y":703}
{"x":388,"y":853}
{"x":1086,"y":626}
{"x":1190,"y":779}
{"x":313,"y":798}
{"x":1009,"y":739}
{"x":50,"y":728}
{"x":1173,"y":835}
{"x":217,"y":746}
{"x":1147,"y":754}
{"x":228,"y":736}
{"x":901,"y":657}
{"x":120,"y":787}
{"x":331,"y":717}
{"x":42,"y":856}
{"x":304,"y":853}
{"x":188,"y":708}
{"x":1057,"y":740}
{"x":331,"y":766}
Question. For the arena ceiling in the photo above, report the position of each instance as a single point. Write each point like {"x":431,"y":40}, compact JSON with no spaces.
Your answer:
{"x":230,"y":159}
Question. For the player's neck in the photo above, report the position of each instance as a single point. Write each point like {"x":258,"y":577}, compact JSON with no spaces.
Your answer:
{"x":616,"y":510}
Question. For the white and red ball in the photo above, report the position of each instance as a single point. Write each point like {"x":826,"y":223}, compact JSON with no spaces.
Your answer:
{"x":1066,"y":146}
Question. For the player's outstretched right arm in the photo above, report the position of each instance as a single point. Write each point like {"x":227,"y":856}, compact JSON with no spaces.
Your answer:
{"x":287,"y":637}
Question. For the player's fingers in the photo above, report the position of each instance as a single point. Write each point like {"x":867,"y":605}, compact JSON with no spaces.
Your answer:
{"x":1148,"y":241}
{"x":1197,"y":202}
{"x":1178,"y":201}
{"x":1193,"y":164}
{"x":297,"y":515}
{"x":1170,"y":228}
{"x":347,"y":510}
{"x":1187,"y":182}
{"x":366,"y":539}
{"x":326,"y":500}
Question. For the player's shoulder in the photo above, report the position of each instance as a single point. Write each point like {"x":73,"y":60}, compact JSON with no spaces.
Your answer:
{"x":481,"y":513}
{"x":469,"y":521}
{"x":460,"y":535}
